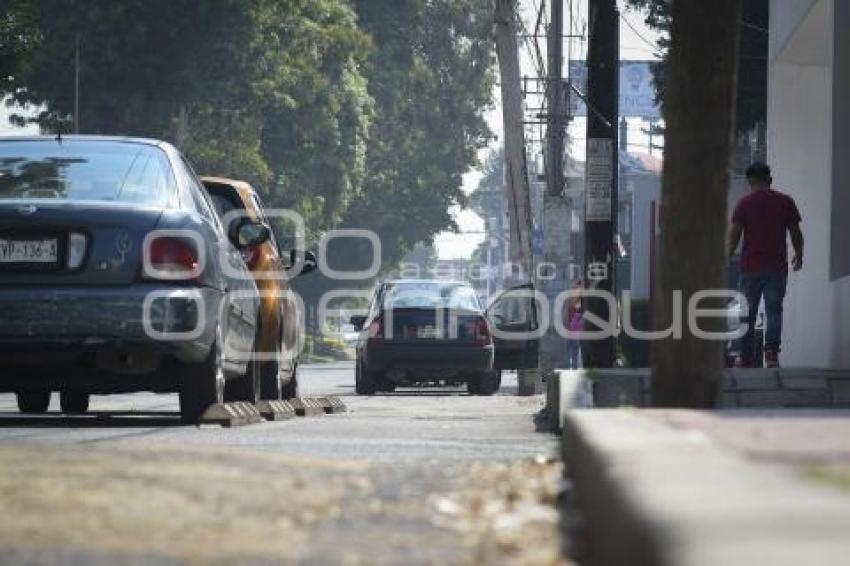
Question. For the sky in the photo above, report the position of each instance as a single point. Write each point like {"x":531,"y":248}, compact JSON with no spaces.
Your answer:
{"x":634,"y":45}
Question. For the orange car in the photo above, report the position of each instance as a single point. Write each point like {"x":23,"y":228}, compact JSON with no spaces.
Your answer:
{"x":279,"y":316}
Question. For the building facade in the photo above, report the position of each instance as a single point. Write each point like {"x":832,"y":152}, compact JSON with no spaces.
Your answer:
{"x":808,"y":139}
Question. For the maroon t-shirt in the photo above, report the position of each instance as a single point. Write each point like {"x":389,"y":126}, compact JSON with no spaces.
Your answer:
{"x":765,"y":216}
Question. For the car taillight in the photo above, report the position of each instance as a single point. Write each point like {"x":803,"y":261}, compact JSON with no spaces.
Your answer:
{"x":482,"y":331}
{"x":376,"y":330}
{"x":169,"y":258}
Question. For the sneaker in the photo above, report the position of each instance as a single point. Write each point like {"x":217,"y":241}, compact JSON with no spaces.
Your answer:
{"x":742,"y":363}
{"x":771,"y":359}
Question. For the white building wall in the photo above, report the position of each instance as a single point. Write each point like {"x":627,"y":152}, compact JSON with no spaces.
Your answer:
{"x":800,"y":150}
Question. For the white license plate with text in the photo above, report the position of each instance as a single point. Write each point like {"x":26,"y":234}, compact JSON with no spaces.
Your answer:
{"x":29,"y":251}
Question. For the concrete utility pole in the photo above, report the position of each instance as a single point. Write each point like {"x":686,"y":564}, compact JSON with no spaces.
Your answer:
{"x":555,"y":270}
{"x":516,"y":168}
{"x":602,"y":167}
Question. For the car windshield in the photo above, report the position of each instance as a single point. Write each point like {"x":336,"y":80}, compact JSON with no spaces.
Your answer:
{"x":86,"y":171}
{"x":431,"y":295}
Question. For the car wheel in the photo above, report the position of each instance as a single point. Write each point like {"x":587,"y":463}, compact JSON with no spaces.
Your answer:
{"x":364,"y":382}
{"x":73,"y":401}
{"x":34,"y":401}
{"x":487,"y":383}
{"x":291,"y":390}
{"x":202,"y":385}
{"x":246,"y":387}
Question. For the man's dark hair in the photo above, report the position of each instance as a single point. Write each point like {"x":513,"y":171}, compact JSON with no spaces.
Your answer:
{"x":759,"y":172}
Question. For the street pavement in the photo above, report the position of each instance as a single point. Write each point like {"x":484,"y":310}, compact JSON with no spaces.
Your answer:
{"x":430,"y":476}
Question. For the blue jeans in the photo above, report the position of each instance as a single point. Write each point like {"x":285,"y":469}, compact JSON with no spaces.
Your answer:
{"x":573,"y":354}
{"x":772,"y":287}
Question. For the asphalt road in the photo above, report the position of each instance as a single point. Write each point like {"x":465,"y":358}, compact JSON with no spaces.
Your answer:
{"x":418,"y":476}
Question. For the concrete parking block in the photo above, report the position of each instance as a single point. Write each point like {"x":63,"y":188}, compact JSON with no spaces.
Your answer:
{"x":307,"y":407}
{"x":331,"y":405}
{"x":276,"y":410}
{"x":231,"y":414}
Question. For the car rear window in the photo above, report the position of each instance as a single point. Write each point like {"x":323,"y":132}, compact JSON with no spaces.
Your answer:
{"x":86,"y":171}
{"x":428,"y":294}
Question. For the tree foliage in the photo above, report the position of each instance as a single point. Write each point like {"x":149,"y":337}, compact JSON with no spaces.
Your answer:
{"x":354,"y":113}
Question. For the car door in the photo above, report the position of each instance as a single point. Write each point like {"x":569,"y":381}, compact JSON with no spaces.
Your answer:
{"x":241,"y":302}
{"x":515,"y":321}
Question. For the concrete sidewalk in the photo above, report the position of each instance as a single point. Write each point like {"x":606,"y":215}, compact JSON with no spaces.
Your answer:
{"x":737,"y":487}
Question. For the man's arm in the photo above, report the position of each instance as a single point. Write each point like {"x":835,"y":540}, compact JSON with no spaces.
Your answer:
{"x":734,"y":238}
{"x":797,"y":242}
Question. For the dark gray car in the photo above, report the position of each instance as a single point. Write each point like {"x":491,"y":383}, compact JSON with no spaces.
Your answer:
{"x":116,"y":276}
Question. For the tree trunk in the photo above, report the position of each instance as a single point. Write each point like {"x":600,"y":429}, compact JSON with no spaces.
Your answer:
{"x":699,"y":109}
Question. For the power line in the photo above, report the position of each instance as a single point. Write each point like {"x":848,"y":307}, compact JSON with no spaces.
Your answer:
{"x":637,"y":33}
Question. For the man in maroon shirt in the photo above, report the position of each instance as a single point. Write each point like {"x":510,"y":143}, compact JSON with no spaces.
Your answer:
{"x":764,"y":218}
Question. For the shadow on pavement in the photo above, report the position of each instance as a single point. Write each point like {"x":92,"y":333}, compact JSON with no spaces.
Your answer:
{"x":96,"y":419}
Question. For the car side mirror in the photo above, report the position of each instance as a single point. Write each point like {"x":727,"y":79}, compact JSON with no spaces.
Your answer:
{"x":357,"y":321}
{"x":252,"y":234}
{"x":309,"y":263}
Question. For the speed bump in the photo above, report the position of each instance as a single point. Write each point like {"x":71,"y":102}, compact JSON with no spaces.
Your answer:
{"x":276,"y":410}
{"x":231,"y":414}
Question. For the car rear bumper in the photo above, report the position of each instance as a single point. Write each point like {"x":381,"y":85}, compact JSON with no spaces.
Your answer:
{"x":46,"y":325}
{"x":444,"y":356}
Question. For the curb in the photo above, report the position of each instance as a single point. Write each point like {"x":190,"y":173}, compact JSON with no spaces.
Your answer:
{"x":231,"y":414}
{"x":654,"y":495}
{"x":276,"y":410}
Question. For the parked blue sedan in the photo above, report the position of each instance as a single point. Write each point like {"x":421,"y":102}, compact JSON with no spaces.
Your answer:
{"x":116,"y":276}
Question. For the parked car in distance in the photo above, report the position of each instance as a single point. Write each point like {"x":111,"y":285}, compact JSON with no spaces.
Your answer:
{"x":431,"y":331}
{"x":281,"y":325}
{"x":114,"y":277}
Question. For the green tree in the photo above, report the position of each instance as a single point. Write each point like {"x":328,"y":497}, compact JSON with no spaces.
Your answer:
{"x":263,"y":90}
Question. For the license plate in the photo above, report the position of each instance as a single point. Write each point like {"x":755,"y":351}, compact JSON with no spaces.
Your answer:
{"x":426,"y":332}
{"x":29,"y":251}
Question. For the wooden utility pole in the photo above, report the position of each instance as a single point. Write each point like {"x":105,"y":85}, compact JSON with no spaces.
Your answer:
{"x":701,"y":74}
{"x":602,"y":164}
{"x":516,"y":169}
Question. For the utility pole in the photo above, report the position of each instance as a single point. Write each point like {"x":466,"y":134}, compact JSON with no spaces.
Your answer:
{"x":602,"y":169}
{"x":557,"y":229}
{"x":77,"y":86}
{"x":516,"y":168}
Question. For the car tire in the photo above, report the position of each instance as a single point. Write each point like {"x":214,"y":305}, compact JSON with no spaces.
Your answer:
{"x":487,"y":383}
{"x":74,"y":401}
{"x":246,"y":387}
{"x":364,"y":381}
{"x":202,"y":384}
{"x":291,"y":390}
{"x":34,"y":402}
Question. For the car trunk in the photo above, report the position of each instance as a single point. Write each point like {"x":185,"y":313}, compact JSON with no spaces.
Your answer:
{"x":428,"y":324}
{"x":35,"y":241}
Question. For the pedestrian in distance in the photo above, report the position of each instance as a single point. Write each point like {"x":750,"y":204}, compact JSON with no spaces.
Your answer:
{"x":575,"y":323}
{"x":765,"y":218}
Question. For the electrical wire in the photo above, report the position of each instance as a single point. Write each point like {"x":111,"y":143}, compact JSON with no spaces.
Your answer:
{"x":637,"y":33}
